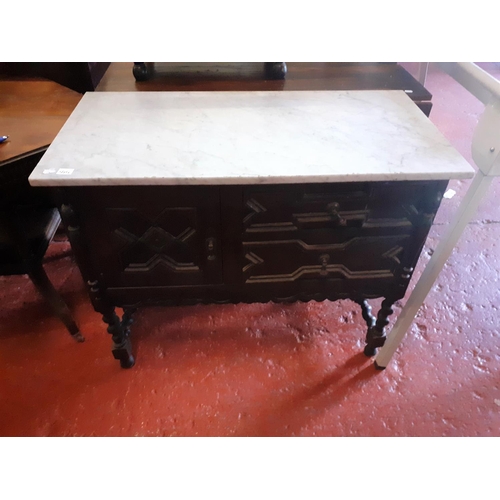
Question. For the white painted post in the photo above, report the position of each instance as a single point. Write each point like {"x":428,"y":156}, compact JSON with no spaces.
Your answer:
{"x":463,"y":216}
{"x":422,"y":72}
{"x":486,"y":154}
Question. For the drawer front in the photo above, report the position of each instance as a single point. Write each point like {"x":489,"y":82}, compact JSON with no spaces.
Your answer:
{"x":291,"y":208}
{"x":335,"y":231}
{"x":280,"y":211}
{"x":358,"y":257}
{"x":152,"y":235}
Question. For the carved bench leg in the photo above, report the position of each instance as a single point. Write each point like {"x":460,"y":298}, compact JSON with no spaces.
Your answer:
{"x":120,"y":330}
{"x":375,"y":336}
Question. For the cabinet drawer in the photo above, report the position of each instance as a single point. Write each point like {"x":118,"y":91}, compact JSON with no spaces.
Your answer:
{"x":294,"y":259}
{"x":288,"y":208}
{"x":284,"y":212}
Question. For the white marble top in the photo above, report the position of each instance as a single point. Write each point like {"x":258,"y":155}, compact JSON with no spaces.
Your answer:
{"x":129,"y":138}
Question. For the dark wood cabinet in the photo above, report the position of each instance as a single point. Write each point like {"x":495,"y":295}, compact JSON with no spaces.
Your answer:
{"x":143,"y":245}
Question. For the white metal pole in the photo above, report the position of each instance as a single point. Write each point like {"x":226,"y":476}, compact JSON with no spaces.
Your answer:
{"x":422,"y":72}
{"x":446,"y":244}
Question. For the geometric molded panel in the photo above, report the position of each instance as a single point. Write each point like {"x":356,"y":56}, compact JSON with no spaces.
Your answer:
{"x":281,"y":261}
{"x":254,"y":260}
{"x":163,"y":242}
{"x":255,"y":207}
{"x":313,"y":272}
{"x":161,"y":261}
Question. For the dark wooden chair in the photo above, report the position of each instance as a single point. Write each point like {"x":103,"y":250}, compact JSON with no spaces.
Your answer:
{"x":25,"y":234}
{"x":32,"y":112}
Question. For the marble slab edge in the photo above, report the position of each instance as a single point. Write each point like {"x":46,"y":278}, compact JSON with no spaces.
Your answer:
{"x":241,"y":180}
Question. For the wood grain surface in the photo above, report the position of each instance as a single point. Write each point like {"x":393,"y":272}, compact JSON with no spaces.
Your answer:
{"x":32,"y":111}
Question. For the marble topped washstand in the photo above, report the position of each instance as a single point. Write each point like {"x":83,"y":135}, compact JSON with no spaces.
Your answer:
{"x":187,"y":197}
{"x":171,"y":138}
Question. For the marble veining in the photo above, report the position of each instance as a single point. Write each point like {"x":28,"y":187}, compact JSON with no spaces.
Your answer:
{"x":132,"y":138}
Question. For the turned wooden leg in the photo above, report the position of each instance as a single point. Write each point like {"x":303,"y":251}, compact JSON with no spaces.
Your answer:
{"x":120,"y":330}
{"x":375,"y":336}
{"x":122,"y":346}
{"x":366,"y":311}
{"x":276,"y":70}
{"x":47,"y":290}
{"x":140,"y":72}
{"x":127,"y":319}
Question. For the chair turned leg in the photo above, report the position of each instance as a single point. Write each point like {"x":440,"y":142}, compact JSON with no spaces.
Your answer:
{"x":47,"y":290}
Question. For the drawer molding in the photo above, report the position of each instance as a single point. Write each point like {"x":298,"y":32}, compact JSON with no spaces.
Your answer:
{"x":315,"y":271}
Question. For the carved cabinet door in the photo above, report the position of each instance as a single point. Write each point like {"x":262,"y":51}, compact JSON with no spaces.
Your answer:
{"x":152,"y":236}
